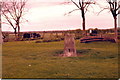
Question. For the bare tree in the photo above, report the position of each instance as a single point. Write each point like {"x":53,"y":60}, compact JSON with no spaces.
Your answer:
{"x":114,"y":7}
{"x":83,"y":6}
{"x":13,"y":11}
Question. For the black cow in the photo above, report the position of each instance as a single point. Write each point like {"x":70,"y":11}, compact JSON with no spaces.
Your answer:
{"x":35,"y":35}
{"x":94,"y":33}
{"x":26,"y":35}
{"x":38,"y":35}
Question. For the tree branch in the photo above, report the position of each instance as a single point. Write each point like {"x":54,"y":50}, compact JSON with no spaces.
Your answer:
{"x":7,"y":18}
{"x":102,"y":10}
{"x":87,"y":8}
{"x":71,"y":11}
{"x":76,"y":4}
{"x":80,"y":3}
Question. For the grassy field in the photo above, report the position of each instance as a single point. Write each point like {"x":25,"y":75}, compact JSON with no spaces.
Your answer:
{"x":27,"y":59}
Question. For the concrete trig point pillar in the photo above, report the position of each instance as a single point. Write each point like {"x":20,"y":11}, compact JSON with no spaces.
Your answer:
{"x":69,"y":46}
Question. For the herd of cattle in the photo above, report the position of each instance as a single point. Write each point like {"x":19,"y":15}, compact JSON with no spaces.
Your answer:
{"x":31,"y":35}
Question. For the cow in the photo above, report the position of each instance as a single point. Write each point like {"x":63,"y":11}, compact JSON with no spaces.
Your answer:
{"x":26,"y":35}
{"x":35,"y":35}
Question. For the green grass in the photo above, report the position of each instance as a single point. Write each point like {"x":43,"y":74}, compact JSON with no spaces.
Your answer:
{"x":27,"y":59}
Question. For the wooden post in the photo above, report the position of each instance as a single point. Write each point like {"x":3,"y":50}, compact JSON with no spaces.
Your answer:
{"x":69,"y":46}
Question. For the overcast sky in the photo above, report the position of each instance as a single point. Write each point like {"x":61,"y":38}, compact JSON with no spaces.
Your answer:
{"x":44,"y":15}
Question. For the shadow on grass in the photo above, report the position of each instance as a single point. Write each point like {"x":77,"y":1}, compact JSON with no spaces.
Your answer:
{"x":88,"y":53}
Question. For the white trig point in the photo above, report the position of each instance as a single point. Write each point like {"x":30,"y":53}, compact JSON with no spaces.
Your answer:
{"x":69,"y":46}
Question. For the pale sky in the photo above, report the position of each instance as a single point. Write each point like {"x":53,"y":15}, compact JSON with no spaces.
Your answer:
{"x":46,"y":15}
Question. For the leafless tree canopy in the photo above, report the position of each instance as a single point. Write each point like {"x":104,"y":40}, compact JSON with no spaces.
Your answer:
{"x":114,"y":6}
{"x":81,"y":5}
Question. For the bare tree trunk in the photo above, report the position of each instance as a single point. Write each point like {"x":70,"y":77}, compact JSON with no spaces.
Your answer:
{"x":116,"y":33}
{"x":15,"y":32}
{"x":18,"y":32}
{"x":83,"y":24}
